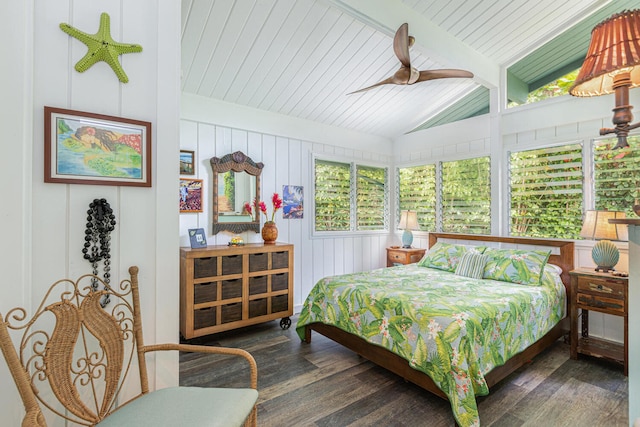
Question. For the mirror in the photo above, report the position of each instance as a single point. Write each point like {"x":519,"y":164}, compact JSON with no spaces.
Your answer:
{"x":236,"y":181}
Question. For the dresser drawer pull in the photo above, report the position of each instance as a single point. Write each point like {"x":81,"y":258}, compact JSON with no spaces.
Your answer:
{"x":600,"y":288}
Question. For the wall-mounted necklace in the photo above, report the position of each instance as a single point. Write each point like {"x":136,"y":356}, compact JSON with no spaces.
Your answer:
{"x":100,"y":222}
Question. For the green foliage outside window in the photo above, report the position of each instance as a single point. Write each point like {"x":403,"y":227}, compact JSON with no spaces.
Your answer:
{"x":617,"y":175}
{"x":332,"y":196}
{"x":466,"y":196}
{"x":555,"y":88}
{"x":417,"y":192}
{"x":334,"y":193}
{"x":370,"y":197}
{"x":546,"y":192}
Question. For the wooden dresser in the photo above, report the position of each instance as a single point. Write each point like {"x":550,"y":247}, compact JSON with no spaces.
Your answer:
{"x":227,"y":287}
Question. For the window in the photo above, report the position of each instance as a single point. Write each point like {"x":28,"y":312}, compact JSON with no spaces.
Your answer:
{"x":616,"y":175}
{"x":466,"y":196}
{"x":371,"y":198}
{"x":546,"y":192}
{"x":417,"y":192}
{"x":350,"y":197}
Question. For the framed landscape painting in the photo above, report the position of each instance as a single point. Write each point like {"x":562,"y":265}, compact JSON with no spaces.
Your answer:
{"x":87,"y":148}
{"x":187,"y":162}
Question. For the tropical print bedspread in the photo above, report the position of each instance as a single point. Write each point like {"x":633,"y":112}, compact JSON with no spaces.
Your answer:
{"x":453,"y":328}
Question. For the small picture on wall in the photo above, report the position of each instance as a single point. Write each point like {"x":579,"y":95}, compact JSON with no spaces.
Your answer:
{"x":190,"y":195}
{"x":292,"y":196}
{"x":187,"y":162}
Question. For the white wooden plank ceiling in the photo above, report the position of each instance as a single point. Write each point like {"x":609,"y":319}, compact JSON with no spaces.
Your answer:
{"x":302,"y":57}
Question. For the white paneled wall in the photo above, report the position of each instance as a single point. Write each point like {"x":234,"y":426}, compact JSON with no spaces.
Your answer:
{"x":42,"y":224}
{"x":287,"y":161}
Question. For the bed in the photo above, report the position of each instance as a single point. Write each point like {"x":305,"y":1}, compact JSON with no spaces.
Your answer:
{"x":475,"y":309}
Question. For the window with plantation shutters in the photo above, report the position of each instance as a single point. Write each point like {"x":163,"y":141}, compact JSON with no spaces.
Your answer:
{"x":370,"y":197}
{"x":617,"y":175}
{"x":466,"y":196}
{"x":417,"y":192}
{"x":350,"y":197}
{"x":545,"y":189}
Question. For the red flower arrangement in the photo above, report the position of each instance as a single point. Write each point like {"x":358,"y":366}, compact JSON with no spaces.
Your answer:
{"x":276,"y":201}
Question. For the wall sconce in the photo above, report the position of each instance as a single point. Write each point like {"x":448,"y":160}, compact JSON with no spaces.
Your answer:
{"x":612,"y":64}
{"x":408,"y":222}
{"x":596,"y":226}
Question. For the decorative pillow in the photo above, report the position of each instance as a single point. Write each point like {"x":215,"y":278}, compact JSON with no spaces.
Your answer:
{"x":515,"y":265}
{"x":471,"y":265}
{"x":446,"y":256}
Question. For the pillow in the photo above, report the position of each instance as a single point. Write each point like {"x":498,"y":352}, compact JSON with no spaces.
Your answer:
{"x":471,"y":265}
{"x":554,"y":267}
{"x":515,"y":265}
{"x":446,"y":256}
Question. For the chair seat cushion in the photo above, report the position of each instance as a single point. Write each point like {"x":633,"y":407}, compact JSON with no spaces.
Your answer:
{"x":188,"y":406}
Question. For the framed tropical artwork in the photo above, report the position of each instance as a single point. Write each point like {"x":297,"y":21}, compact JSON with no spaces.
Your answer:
{"x":293,"y":198}
{"x":190,"y":195}
{"x":87,"y":148}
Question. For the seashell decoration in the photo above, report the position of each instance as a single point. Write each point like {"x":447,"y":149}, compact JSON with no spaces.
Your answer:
{"x":605,"y":254}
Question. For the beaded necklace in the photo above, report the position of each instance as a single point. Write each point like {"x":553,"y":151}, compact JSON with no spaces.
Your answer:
{"x":100,"y":222}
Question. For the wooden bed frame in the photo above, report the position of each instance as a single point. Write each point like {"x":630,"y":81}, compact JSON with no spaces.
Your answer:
{"x":396,"y":364}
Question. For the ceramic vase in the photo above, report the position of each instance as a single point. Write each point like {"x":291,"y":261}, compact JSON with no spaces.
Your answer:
{"x":269,"y":233}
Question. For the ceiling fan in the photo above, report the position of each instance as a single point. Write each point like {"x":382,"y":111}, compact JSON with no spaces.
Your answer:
{"x":408,"y":75}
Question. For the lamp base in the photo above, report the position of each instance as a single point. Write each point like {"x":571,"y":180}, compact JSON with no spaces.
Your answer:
{"x":605,"y":255}
{"x":407,"y":239}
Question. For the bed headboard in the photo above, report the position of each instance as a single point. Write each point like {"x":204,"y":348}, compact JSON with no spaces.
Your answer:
{"x":562,"y":256}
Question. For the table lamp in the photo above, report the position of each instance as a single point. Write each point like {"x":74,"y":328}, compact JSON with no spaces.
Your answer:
{"x":408,"y":222}
{"x":612,"y":65}
{"x":596,"y":226}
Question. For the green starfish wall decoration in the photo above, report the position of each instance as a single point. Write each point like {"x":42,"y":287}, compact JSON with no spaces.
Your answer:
{"x":101,"y":47}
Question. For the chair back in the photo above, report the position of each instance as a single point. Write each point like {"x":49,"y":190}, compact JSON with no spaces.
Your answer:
{"x":73,"y":355}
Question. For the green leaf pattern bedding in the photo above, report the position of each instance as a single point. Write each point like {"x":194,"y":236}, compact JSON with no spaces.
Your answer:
{"x":453,"y":328}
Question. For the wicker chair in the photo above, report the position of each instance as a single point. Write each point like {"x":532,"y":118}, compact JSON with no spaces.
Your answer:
{"x":79,"y":360}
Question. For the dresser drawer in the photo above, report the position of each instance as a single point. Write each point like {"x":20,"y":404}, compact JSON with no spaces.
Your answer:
{"x":602,"y":287}
{"x":600,"y":303}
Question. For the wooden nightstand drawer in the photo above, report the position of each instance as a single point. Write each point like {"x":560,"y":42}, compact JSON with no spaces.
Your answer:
{"x":602,"y":286}
{"x":396,"y":256}
{"x":589,"y":301}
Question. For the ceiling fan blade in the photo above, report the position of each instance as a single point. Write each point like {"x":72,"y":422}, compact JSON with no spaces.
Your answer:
{"x":401,"y":45}
{"x":383,"y":82}
{"x":443,"y":74}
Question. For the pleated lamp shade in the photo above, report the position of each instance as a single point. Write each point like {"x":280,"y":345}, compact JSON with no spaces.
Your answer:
{"x":596,"y":226}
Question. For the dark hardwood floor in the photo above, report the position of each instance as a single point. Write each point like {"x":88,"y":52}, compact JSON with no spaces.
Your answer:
{"x":323,"y":384}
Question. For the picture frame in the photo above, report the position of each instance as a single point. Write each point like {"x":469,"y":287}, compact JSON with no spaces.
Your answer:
{"x":187,"y":162}
{"x":292,"y":202}
{"x":197,"y":238}
{"x":190,"y":195}
{"x":96,"y":149}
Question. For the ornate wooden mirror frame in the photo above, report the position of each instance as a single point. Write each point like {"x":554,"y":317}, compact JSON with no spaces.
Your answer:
{"x":237,"y":162}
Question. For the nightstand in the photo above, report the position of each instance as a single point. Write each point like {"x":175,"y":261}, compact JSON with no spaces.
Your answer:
{"x":605,"y":293}
{"x":398,"y":255}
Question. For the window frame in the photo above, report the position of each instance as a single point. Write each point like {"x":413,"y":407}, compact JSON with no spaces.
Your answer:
{"x":353,"y":163}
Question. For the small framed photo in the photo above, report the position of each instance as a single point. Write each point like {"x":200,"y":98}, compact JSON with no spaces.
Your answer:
{"x":190,"y":195}
{"x":187,"y":162}
{"x":197,"y":238}
{"x":87,"y":148}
